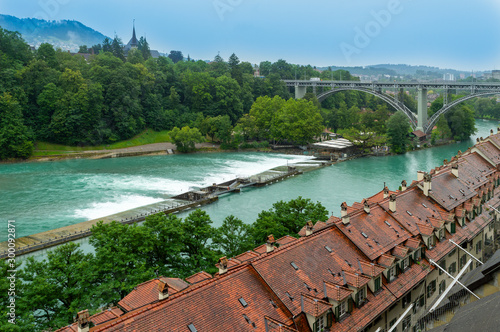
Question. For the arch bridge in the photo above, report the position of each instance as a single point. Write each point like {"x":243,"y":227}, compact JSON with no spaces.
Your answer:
{"x":418,"y":121}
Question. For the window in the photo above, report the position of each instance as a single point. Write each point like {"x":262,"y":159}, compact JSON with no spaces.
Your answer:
{"x":342,"y":308}
{"x":243,"y":302}
{"x":416,"y":255}
{"x":406,"y":300}
{"x":294,"y":265}
{"x":452,"y":252}
{"x":404,"y":264}
{"x":392,"y":323}
{"x":478,"y":247}
{"x":431,"y":288}
{"x":463,"y":259}
{"x":453,"y":268}
{"x":361,"y":296}
{"x":441,"y":234}
{"x":431,"y":241}
{"x":490,"y":226}
{"x":419,"y":303}
{"x":443,"y":266}
{"x":391,"y":273}
{"x":407,"y":323}
{"x":442,"y":287}
{"x":378,"y":284}
{"x":320,"y":323}
{"x":192,"y":328}
{"x":453,"y":228}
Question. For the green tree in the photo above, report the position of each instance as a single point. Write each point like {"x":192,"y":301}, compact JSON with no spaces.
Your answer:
{"x":287,"y":218}
{"x":47,"y":53}
{"x":263,"y":111}
{"x":15,"y":139}
{"x":219,"y":67}
{"x":297,"y":121}
{"x":363,"y":138}
{"x":176,"y":56}
{"x":197,"y":232}
{"x":461,"y":122}
{"x":232,"y":237}
{"x":117,"y":48}
{"x":60,"y":286}
{"x":120,"y":264}
{"x":143,"y":47}
{"x":165,"y":255}
{"x":398,"y":129}
{"x":185,"y":138}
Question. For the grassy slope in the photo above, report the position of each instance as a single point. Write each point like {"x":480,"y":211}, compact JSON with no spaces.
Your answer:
{"x":146,"y":137}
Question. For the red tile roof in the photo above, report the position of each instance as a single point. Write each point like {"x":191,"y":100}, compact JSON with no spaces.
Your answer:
{"x":247,"y":256}
{"x":336,"y":292}
{"x":449,"y":191}
{"x":275,"y":326}
{"x":218,"y":300}
{"x":106,"y":315}
{"x":413,"y":243}
{"x":490,"y":151}
{"x":371,"y":232}
{"x":314,"y":306}
{"x":400,"y":251}
{"x":386,"y":260}
{"x":370,"y":269}
{"x":147,"y":292}
{"x":287,"y":239}
{"x":361,"y":317}
{"x":197,"y":277}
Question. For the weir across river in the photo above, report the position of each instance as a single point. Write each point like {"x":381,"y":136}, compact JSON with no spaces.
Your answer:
{"x":183,"y":202}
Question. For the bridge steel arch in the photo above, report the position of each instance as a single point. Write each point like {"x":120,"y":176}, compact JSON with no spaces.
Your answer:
{"x":397,"y":105}
{"x":433,"y":120}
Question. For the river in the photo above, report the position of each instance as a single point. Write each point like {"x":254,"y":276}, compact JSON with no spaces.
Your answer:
{"x":45,"y":195}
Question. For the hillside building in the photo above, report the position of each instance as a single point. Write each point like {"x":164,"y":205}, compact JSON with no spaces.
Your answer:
{"x":134,"y":44}
{"x":373,"y":267}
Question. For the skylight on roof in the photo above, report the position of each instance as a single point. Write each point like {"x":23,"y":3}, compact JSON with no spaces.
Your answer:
{"x":364,"y":234}
{"x":243,"y":302}
{"x":307,"y":286}
{"x":288,"y":294}
{"x":387,"y":223}
{"x":273,"y":303}
{"x":246,"y":318}
{"x":409,"y":213}
{"x":425,"y":206}
{"x":294,"y":265}
{"x":328,"y":248}
{"x":192,"y":328}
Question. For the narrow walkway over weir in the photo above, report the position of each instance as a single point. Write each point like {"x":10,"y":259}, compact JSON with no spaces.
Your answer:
{"x":192,"y":199}
{"x":418,"y":121}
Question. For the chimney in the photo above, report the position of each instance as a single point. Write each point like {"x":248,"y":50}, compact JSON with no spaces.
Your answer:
{"x":403,"y":185}
{"x":420,"y":175}
{"x":309,"y":228}
{"x":343,"y":213}
{"x":392,"y":203}
{"x":491,"y":131}
{"x":222,"y":265}
{"x":427,"y":184}
{"x":366,"y":207}
{"x":498,"y":129}
{"x":82,"y":319}
{"x":386,"y":192}
{"x":162,"y":290}
{"x":454,"y":169}
{"x":270,"y":243}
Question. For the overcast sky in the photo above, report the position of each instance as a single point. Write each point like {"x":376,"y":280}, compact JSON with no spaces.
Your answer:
{"x":444,"y":33}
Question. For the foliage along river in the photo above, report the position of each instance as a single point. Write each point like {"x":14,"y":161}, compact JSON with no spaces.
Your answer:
{"x":48,"y":195}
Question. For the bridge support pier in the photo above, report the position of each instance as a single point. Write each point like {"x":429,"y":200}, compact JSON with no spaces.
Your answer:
{"x":422,"y":109}
{"x":300,"y":91}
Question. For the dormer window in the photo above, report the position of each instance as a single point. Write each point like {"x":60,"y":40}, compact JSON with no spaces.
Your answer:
{"x":378,"y":284}
{"x":343,"y":308}
{"x":361,"y":296}
{"x":404,"y":264}
{"x":416,"y":255}
{"x":431,"y":242}
{"x":441,"y":234}
{"x":391,"y":273}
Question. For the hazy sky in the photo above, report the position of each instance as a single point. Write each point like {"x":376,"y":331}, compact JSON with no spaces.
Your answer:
{"x":444,"y":33}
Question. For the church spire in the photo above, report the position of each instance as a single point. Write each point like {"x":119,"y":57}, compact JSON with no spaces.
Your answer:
{"x":133,"y":41}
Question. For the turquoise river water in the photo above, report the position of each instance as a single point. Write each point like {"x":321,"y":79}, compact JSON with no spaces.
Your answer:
{"x":47,"y":195}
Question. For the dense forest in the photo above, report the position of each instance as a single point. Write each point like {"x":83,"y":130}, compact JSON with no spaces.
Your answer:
{"x":54,"y":96}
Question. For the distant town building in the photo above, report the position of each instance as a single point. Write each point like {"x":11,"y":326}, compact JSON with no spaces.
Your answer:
{"x":448,"y":77}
